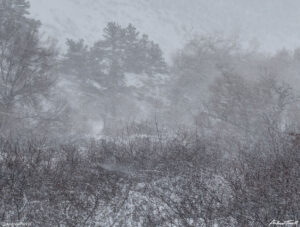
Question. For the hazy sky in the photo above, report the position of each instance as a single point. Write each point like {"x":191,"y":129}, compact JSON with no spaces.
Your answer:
{"x":273,"y":23}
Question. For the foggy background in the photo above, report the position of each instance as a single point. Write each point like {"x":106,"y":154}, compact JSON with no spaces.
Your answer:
{"x":270,"y":24}
{"x":265,"y":27}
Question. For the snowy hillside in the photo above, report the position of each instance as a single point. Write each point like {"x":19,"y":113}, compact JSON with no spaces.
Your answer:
{"x":272,"y":23}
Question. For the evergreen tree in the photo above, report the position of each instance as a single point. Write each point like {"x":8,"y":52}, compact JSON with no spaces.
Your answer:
{"x":102,"y":69}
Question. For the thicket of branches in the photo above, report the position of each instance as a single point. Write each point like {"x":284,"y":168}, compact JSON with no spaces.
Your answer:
{"x":179,"y":181}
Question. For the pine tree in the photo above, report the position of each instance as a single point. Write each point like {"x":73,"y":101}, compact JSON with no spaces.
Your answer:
{"x":102,"y":69}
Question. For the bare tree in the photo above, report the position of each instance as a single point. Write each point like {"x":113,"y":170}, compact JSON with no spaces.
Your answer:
{"x":26,"y":74}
